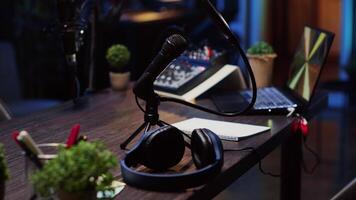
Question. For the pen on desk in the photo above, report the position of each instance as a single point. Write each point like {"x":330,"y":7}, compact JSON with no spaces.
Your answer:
{"x":30,"y":144}
{"x":14,"y":136}
{"x":73,"y":136}
{"x":29,"y":153}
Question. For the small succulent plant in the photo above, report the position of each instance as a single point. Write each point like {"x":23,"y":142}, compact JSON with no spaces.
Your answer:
{"x":118,"y":57}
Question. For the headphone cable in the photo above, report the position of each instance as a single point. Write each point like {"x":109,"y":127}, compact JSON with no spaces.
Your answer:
{"x":316,"y":156}
{"x":260,"y":167}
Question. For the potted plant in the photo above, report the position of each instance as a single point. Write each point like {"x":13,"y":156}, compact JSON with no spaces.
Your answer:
{"x":76,"y":173}
{"x":118,"y":57}
{"x":261,"y":57}
{"x":4,"y":174}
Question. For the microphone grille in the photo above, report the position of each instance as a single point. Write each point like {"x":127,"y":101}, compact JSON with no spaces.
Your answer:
{"x":175,"y":44}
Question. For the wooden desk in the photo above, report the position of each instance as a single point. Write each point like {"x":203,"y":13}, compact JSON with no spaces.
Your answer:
{"x":112,"y":116}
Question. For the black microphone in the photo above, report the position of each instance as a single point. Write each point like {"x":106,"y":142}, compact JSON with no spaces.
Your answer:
{"x":171,"y":49}
{"x":224,"y":28}
{"x":67,"y":16}
{"x":73,"y":16}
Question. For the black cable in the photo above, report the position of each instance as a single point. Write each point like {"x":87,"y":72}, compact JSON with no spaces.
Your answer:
{"x":267,"y":173}
{"x":316,"y":156}
{"x":260,"y":167}
{"x":76,"y":97}
{"x":77,"y":86}
{"x":224,"y":28}
{"x":242,"y":149}
{"x":139,"y":105}
{"x":186,"y":135}
{"x":303,"y":163}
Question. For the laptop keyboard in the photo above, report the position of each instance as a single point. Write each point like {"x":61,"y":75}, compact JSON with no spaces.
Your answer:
{"x":269,"y":98}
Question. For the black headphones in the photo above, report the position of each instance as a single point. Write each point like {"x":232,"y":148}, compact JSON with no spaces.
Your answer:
{"x":163,"y":148}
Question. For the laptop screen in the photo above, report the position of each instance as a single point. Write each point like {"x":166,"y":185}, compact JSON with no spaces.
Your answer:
{"x":308,"y":61}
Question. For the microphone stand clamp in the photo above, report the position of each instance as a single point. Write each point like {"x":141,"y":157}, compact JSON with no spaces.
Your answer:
{"x":151,"y":118}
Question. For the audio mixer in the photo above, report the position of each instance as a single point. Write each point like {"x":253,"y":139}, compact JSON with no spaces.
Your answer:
{"x":189,"y":70}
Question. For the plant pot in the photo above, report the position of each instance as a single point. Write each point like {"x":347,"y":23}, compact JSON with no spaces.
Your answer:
{"x":87,"y":195}
{"x":2,"y":189}
{"x":262,"y":67}
{"x":119,"y":81}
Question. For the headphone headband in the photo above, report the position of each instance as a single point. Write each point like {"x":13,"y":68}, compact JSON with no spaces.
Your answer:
{"x":170,"y":182}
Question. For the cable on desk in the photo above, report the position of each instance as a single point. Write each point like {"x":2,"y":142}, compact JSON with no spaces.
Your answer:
{"x":316,"y":156}
{"x":303,"y":138}
{"x":139,"y":105}
{"x":260,"y":167}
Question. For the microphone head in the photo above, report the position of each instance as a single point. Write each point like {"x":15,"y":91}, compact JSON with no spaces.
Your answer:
{"x":174,"y":45}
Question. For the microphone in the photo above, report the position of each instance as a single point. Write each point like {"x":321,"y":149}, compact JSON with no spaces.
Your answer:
{"x":67,"y":18}
{"x":73,"y":16}
{"x":225,"y":30}
{"x":171,"y":49}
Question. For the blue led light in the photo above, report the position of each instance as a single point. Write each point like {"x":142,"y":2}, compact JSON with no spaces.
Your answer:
{"x":252,"y":32}
{"x":256,"y":20}
{"x":347,"y":31}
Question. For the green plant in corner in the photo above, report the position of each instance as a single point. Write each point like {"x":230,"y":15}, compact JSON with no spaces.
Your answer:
{"x":260,"y":48}
{"x":84,"y":167}
{"x":4,"y":173}
{"x":118,"y":57}
{"x":261,"y":57}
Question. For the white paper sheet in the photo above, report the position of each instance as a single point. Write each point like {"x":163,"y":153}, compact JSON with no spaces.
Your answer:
{"x":225,"y":130}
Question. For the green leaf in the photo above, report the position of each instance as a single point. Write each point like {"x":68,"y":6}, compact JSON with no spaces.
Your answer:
{"x":118,"y":56}
{"x":73,"y":168}
{"x":260,"y":48}
{"x":4,"y":173}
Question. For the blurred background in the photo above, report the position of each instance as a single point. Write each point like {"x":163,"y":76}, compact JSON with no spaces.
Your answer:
{"x":34,"y":74}
{"x":33,"y":61}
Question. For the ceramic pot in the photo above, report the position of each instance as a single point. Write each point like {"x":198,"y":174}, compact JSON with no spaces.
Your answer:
{"x":87,"y":195}
{"x":262,"y":67}
{"x":119,"y":81}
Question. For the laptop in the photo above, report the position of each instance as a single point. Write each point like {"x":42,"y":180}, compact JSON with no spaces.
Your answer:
{"x":305,"y":70}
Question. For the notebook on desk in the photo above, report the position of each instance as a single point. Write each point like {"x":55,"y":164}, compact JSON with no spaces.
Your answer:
{"x":307,"y":65}
{"x":225,"y":130}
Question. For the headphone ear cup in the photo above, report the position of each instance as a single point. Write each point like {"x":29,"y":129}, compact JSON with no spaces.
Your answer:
{"x":202,"y":148}
{"x":163,"y":148}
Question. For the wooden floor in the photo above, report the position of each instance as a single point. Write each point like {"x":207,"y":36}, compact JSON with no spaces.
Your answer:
{"x":332,"y":135}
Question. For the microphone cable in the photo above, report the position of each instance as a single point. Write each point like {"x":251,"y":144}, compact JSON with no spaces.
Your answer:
{"x":139,"y":105}
{"x":221,"y":23}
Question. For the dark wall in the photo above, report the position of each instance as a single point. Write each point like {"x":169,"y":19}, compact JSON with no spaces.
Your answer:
{"x":42,"y":69}
{"x":29,"y":26}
